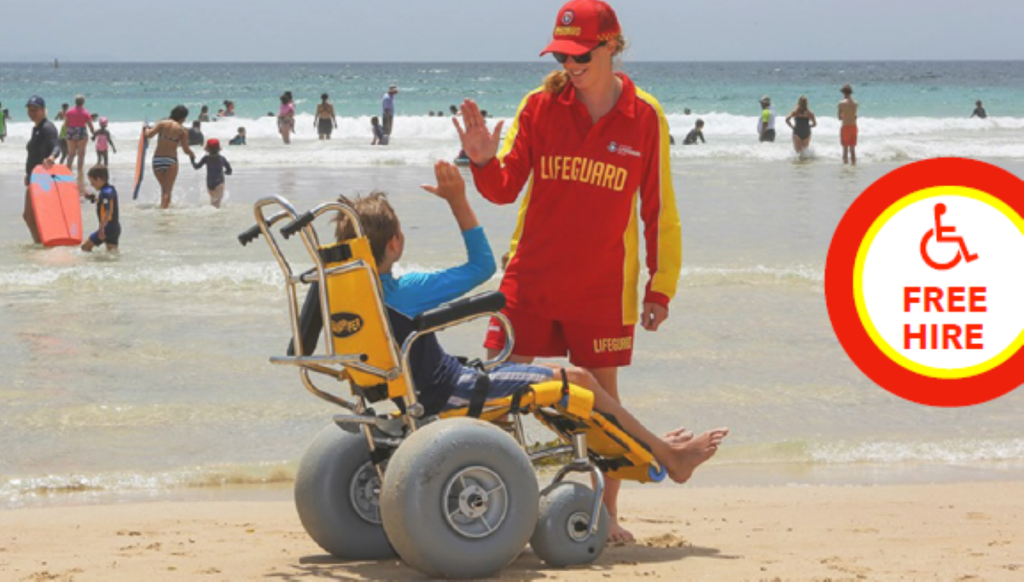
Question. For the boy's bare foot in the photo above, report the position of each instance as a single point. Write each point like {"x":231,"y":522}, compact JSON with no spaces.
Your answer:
{"x":617,"y":534}
{"x":688,"y":454}
{"x":679,"y":435}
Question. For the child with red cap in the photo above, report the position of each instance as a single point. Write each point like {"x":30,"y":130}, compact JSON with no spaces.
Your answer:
{"x":594,"y":150}
{"x":216,"y":167}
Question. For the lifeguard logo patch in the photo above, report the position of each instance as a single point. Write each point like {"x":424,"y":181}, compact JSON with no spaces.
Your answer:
{"x":345,"y":325}
{"x":613,"y":147}
{"x":567,"y":17}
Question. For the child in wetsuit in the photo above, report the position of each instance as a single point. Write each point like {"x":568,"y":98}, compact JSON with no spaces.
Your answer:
{"x":104,"y":141}
{"x":696,"y":133}
{"x":107,"y":211}
{"x":238,"y":139}
{"x":379,"y":137}
{"x":216,"y":167}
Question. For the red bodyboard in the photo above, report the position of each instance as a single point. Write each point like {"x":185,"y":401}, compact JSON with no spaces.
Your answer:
{"x":55,"y":203}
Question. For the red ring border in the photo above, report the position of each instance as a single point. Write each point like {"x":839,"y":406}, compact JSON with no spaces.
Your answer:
{"x":839,"y":290}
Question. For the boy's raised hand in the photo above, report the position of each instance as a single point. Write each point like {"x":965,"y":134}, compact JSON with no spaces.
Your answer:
{"x":450,"y":185}
{"x":452,"y":189}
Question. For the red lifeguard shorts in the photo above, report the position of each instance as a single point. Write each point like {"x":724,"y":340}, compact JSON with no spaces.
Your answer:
{"x":588,"y":345}
{"x":848,"y":137}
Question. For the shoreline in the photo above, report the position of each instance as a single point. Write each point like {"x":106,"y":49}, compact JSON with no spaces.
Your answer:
{"x":921,"y":532}
{"x":83,"y":490}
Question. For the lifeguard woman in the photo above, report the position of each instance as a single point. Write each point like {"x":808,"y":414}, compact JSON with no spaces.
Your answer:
{"x":595,"y":150}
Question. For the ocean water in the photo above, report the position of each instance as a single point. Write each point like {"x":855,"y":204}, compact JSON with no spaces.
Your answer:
{"x":146,"y":373}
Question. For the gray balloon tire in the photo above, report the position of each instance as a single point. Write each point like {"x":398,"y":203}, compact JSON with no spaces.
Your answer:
{"x":551,"y":540}
{"x":323,"y":501}
{"x":413,"y":498}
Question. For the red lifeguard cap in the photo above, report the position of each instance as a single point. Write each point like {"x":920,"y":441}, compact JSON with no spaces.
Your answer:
{"x":581,"y":26}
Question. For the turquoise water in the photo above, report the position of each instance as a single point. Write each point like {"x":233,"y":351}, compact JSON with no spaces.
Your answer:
{"x":132,"y":92}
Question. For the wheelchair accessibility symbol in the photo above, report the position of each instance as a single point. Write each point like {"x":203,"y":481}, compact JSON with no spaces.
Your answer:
{"x":942,"y":235}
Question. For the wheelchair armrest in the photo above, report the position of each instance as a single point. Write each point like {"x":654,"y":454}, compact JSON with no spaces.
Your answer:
{"x":489,"y":302}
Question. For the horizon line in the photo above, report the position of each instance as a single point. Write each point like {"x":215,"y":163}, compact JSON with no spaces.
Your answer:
{"x":276,"y":62}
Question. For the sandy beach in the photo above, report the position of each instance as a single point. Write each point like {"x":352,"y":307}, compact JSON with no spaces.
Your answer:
{"x":909,"y":532}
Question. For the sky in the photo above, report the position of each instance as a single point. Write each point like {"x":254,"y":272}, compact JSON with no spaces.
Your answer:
{"x":516,"y":30}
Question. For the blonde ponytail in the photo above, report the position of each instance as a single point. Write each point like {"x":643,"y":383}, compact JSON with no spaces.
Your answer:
{"x":556,"y":81}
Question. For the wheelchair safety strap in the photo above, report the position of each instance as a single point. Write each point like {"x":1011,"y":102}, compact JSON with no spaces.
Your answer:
{"x":335,"y":253}
{"x":565,"y":388}
{"x":480,"y":389}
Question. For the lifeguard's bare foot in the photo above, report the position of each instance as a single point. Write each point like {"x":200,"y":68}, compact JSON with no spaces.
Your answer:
{"x":618,"y":535}
{"x":688,"y":454}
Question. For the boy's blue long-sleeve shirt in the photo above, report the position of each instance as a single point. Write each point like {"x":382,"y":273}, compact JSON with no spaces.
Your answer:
{"x":216,"y":167}
{"x":414,"y":293}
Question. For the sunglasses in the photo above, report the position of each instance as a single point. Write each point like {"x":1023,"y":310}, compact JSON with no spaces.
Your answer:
{"x":580,"y":59}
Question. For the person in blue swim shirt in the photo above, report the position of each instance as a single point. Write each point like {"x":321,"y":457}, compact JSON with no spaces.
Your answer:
{"x":216,"y":167}
{"x":107,"y":211}
{"x":415,"y":292}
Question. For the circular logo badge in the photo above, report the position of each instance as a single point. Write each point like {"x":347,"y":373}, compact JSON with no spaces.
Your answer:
{"x":567,"y":17}
{"x":613,"y":147}
{"x":924,"y":284}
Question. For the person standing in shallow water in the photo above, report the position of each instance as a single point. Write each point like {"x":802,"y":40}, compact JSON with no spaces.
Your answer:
{"x":172,"y":135}
{"x":848,"y":131}
{"x":766,"y":123}
{"x":79,"y":127}
{"x":325,"y":121}
{"x":388,"y":109}
{"x":286,"y":118}
{"x":801,"y":120}
{"x":43,"y":148}
{"x":563,"y":298}
{"x":979,"y":110}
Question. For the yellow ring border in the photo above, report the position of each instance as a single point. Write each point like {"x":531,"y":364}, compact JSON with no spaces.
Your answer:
{"x":858,"y":282}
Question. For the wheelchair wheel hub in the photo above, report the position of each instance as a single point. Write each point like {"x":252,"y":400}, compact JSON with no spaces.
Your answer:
{"x":364,"y":493}
{"x":475,"y":502}
{"x":578,"y":526}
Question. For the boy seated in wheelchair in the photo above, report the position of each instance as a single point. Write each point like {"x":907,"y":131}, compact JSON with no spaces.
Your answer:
{"x":443,"y":382}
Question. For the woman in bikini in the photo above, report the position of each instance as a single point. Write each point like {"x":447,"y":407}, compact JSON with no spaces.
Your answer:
{"x":801,"y":120}
{"x":170,"y":135}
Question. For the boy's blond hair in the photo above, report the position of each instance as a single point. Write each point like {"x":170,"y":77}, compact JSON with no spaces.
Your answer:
{"x":377,"y":217}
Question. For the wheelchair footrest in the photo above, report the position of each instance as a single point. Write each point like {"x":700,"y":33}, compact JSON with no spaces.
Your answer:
{"x":611,"y":448}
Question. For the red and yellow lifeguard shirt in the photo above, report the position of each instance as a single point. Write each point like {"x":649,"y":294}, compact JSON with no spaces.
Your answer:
{"x":575,"y":250}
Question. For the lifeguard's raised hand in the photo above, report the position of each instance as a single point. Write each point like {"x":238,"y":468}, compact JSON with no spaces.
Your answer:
{"x":479,"y":143}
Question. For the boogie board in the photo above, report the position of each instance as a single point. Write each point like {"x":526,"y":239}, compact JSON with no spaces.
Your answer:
{"x":140,"y":161}
{"x":54,"y":196}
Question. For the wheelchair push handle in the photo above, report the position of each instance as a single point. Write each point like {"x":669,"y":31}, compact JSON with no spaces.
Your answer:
{"x":449,"y":312}
{"x":298,"y":224}
{"x":250,"y":234}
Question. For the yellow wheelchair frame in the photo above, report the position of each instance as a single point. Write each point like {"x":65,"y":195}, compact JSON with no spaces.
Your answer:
{"x":453,"y":495}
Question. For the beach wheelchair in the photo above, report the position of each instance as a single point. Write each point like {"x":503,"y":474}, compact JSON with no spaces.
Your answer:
{"x":454,"y":494}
